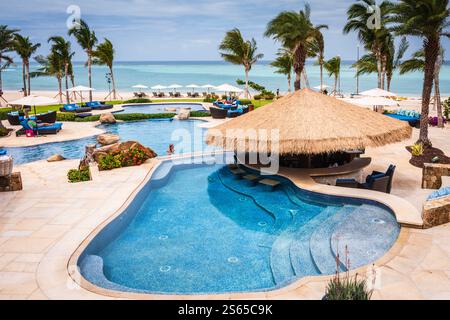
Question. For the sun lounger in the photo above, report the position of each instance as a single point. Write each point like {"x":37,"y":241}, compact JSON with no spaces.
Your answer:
{"x":96,"y":105}
{"x":155,"y":94}
{"x":218,"y":113}
{"x":270,"y":183}
{"x":73,"y":107}
{"x":48,"y":117}
{"x":3,"y":152}
{"x":52,"y":129}
{"x":14,"y":117}
{"x":377,"y":181}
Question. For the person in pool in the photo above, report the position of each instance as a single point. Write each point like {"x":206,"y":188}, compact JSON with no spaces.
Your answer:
{"x":171,"y":150}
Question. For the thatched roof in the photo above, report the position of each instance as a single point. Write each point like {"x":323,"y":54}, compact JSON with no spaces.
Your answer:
{"x":310,"y":123}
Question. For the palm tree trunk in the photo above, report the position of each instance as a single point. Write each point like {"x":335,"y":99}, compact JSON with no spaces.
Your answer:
{"x":437,"y":91}
{"x":113,"y":83}
{"x":60,"y":88}
{"x":335,"y":84}
{"x":389,"y":80}
{"x":321,"y":75}
{"x":66,"y":71}
{"x":431,"y":54}
{"x":24,"y":80}
{"x":90,"y":74}
{"x":289,"y":82}
{"x":1,"y":79}
{"x":28,"y":78}
{"x":299,"y":65}
{"x":378,"y":57}
{"x":246,"y":83}
{"x":383,"y":72}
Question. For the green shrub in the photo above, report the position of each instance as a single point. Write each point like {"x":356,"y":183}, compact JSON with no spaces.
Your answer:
{"x":348,"y":289}
{"x":109,"y":162}
{"x":447,"y":108}
{"x":200,"y":114}
{"x":257,"y":97}
{"x":3,"y":112}
{"x":3,"y":132}
{"x":65,"y":116}
{"x":417,"y":150}
{"x":76,"y":175}
{"x":142,"y":116}
{"x":245,"y":102}
{"x":139,"y":100}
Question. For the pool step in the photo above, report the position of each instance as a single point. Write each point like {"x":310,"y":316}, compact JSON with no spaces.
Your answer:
{"x":299,"y":253}
{"x":320,"y":242}
{"x":361,"y":234}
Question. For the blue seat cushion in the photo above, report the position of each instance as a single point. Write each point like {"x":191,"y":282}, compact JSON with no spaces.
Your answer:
{"x":2,"y":152}
{"x":402,"y":117}
{"x":443,"y":192}
{"x":345,"y":180}
{"x":371,"y":178}
{"x":71,"y":107}
{"x":93,"y":104}
{"x":54,"y":126}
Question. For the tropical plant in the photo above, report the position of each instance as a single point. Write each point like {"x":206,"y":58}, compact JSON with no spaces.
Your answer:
{"x":447,"y":108}
{"x":427,"y":19}
{"x":104,"y":55}
{"x":87,"y":39}
{"x":417,"y":149}
{"x":236,"y":50}
{"x":373,"y":37}
{"x":284,"y":65}
{"x":333,"y":67}
{"x":296,"y":32}
{"x":50,"y":66}
{"x":79,"y":175}
{"x":318,"y":50}
{"x":25,"y":49}
{"x":6,"y":46}
{"x":63,"y":50}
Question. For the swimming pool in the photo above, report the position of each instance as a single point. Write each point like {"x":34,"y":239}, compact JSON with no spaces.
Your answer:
{"x":161,"y":108}
{"x":186,"y":135}
{"x":196,"y":229}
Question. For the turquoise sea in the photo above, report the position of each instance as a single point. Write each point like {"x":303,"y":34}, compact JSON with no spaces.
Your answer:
{"x":215,"y":73}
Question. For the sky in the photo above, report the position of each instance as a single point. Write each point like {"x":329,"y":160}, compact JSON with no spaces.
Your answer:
{"x":165,"y":30}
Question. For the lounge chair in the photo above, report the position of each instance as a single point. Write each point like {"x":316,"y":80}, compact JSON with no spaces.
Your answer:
{"x":73,"y":107}
{"x":52,"y":129}
{"x":48,"y":117}
{"x":204,"y":94}
{"x":14,"y":117}
{"x":171,"y":94}
{"x":155,"y":94}
{"x":377,"y":181}
{"x":3,"y":152}
{"x":218,"y":113}
{"x":189,"y":94}
{"x":96,"y":105}
{"x":177,"y":94}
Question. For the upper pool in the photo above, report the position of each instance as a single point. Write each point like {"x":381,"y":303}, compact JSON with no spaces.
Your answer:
{"x":196,"y":229}
{"x":161,"y":108}
{"x":185,"y":135}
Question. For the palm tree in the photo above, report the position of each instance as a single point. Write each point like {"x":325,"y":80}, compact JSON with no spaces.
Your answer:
{"x":6,"y":46}
{"x":104,"y":55}
{"x":284,"y":64}
{"x":236,"y":50}
{"x":318,"y":49}
{"x":427,"y":19}
{"x":25,"y":49}
{"x":417,"y":63}
{"x":87,"y":40}
{"x":373,"y":39}
{"x":51,"y":66}
{"x":63,"y":49}
{"x":333,"y":66}
{"x":295,"y":31}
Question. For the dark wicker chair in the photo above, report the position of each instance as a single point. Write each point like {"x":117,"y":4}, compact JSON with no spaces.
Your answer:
{"x":377,"y":181}
{"x":49,"y":117}
{"x":218,"y":113}
{"x":14,"y":120}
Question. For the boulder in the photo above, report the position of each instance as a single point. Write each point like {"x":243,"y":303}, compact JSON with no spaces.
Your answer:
{"x":122,"y":147}
{"x":56,"y":158}
{"x":107,"y":118}
{"x":107,"y":139}
{"x":184,"y":115}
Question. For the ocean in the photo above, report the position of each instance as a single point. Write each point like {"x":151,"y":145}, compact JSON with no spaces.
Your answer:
{"x":215,"y":72}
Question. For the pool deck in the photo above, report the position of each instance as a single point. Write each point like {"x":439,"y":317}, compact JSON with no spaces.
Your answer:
{"x":44,"y":224}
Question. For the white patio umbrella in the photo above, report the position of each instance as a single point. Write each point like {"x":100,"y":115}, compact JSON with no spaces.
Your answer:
{"x":174,"y":86}
{"x":193,"y":87}
{"x":378,"y":93}
{"x":208,"y":87}
{"x":80,"y":90}
{"x":228,"y":88}
{"x":33,"y":101}
{"x":322,"y":87}
{"x":140,"y":87}
{"x":371,"y":101}
{"x":158,"y":87}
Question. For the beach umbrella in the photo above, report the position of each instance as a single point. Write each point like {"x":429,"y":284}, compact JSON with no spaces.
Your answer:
{"x":34,"y":100}
{"x":371,"y":101}
{"x":158,"y":87}
{"x":208,"y":87}
{"x":228,"y":88}
{"x":308,"y":122}
{"x":174,"y":86}
{"x":378,"y":93}
{"x":140,"y":87}
{"x":321,"y":88}
{"x":193,"y":86}
{"x":80,"y":90}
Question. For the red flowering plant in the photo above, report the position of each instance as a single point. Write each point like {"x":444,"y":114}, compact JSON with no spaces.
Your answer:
{"x":134,"y":157}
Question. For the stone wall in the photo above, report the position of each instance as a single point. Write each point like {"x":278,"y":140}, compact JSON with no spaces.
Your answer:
{"x":436,"y":212}
{"x":432,"y":175}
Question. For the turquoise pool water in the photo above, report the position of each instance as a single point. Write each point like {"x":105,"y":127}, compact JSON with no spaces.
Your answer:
{"x":161,"y":108}
{"x":186,"y":135}
{"x":196,"y":229}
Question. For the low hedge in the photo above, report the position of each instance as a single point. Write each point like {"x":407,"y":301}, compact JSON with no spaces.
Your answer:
{"x":3,"y":112}
{"x":139,"y":100}
{"x":200,"y":114}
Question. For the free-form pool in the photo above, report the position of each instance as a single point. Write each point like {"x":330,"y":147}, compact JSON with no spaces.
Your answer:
{"x":186,"y":135}
{"x":161,"y":108}
{"x":195,"y":229}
